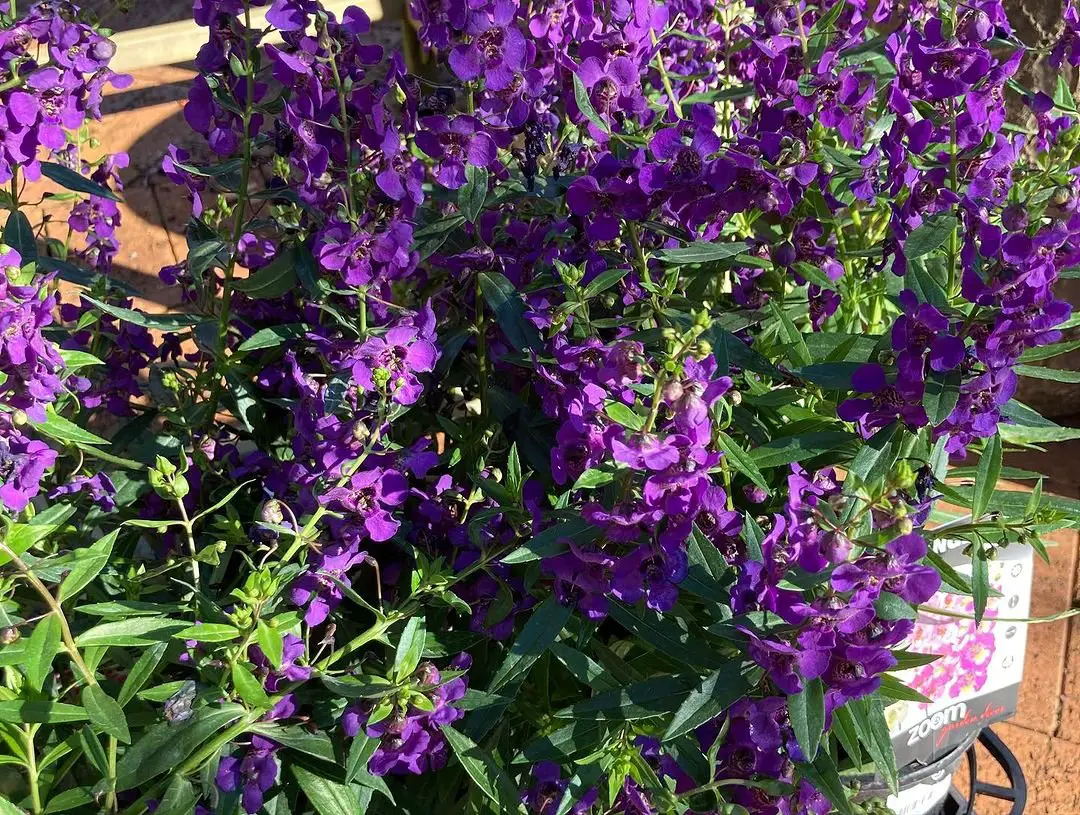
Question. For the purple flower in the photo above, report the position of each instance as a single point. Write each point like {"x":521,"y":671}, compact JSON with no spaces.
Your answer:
{"x":100,"y":487}
{"x":496,"y":48}
{"x":390,"y":363}
{"x":316,"y":590}
{"x":896,"y":570}
{"x":254,"y":774}
{"x":454,"y":142}
{"x":23,"y":463}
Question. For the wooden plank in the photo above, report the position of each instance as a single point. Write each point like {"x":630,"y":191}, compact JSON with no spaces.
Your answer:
{"x":173,"y":43}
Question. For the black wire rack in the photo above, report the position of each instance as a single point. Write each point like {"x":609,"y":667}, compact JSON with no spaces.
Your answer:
{"x":1016,"y":792}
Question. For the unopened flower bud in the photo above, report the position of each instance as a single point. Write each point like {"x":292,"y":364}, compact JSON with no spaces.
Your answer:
{"x":673,"y":391}
{"x":735,"y":397}
{"x":1061,"y":196}
{"x":836,"y":547}
{"x":755,"y":494}
{"x":19,"y":418}
{"x":9,"y":635}
{"x":704,"y":349}
{"x":905,"y":526}
{"x":271,"y":512}
{"x":668,"y":334}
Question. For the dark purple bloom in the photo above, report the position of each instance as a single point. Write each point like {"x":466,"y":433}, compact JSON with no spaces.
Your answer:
{"x":254,"y":774}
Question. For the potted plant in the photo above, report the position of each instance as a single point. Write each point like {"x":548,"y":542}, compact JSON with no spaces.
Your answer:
{"x":558,"y":434}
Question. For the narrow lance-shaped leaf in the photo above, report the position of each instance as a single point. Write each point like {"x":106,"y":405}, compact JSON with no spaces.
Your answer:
{"x":986,"y":477}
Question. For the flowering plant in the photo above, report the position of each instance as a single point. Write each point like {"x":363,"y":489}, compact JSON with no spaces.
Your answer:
{"x":563,"y":427}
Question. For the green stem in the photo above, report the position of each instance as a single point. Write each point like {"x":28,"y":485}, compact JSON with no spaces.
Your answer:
{"x":238,"y":218}
{"x":46,"y":595}
{"x":481,"y":351}
{"x":345,"y":131}
{"x":666,"y":80}
{"x":192,"y":551}
{"x":110,"y":801}
{"x":1050,"y":618}
{"x":31,"y":770}
{"x":954,"y":236}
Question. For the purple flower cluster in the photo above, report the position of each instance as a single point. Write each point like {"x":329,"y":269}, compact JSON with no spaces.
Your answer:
{"x":411,"y":741}
{"x":54,"y":72}
{"x":640,"y":551}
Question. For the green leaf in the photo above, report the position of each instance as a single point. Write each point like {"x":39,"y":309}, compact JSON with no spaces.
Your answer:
{"x":929,"y":235}
{"x":927,"y":286}
{"x":832,"y":376}
{"x":986,"y":477}
{"x":783,"y":451}
{"x":580,"y":783}
{"x":593,"y":478}
{"x":813,"y":274}
{"x":715,"y":694}
{"x":891,"y":606}
{"x":585,"y":105}
{"x":705,"y":568}
{"x":8,"y":808}
{"x":273,"y":336}
{"x":843,"y":728}
{"x":647,"y":699}
{"x":823,"y":775}
{"x":21,"y":537}
{"x":807,"y":711}
{"x":69,"y":799}
{"x":740,"y":459}
{"x":57,"y":427}
{"x":603,"y":281}
{"x":1042,"y":352}
{"x":509,"y":310}
{"x":980,"y":580}
{"x":1037,"y":435}
{"x":701,"y":252}
{"x":274,"y":280}
{"x":893,"y":688}
{"x":913,"y":659}
{"x":361,"y":750}
{"x":941,"y":395}
{"x":868,"y":716}
{"x":472,"y":196}
{"x":105,"y":713}
{"x":179,"y":799}
{"x":624,"y":415}
{"x":270,"y":643}
{"x":165,"y":746}
{"x":248,"y":687}
{"x":577,"y":737}
{"x":41,"y":649}
{"x":317,"y":744}
{"x":668,"y":636}
{"x":20,"y":712}
{"x":141,"y":671}
{"x":71,"y":180}
{"x":19,"y":235}
{"x":792,"y":337}
{"x":326,"y":796}
{"x":952,"y":578}
{"x":74,"y":360}
{"x":1038,"y":372}
{"x":132,"y":633}
{"x":208,"y":632}
{"x":541,"y":630}
{"x":410,"y":648}
{"x":88,"y":564}
{"x":550,"y":541}
{"x":165,"y":323}
{"x":584,"y":668}
{"x":875,"y":458}
{"x":488,"y":776}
